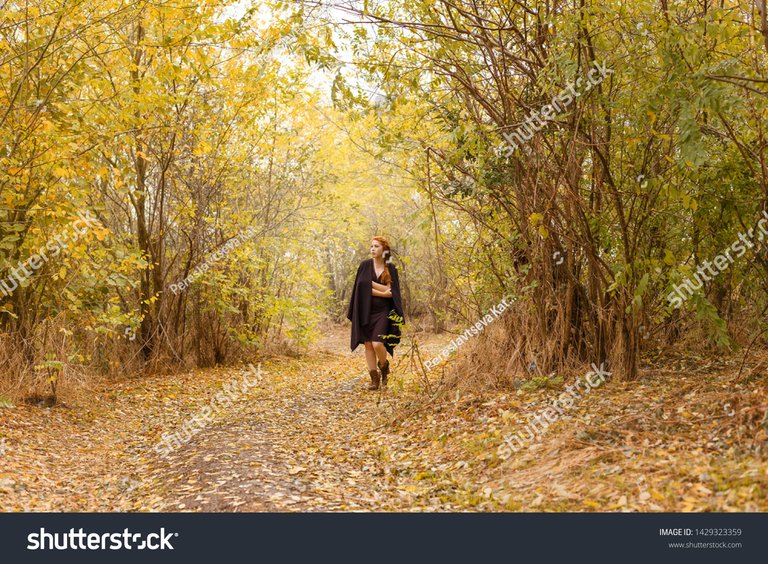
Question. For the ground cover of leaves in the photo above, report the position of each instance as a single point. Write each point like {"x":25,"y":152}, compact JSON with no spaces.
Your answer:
{"x":691,"y":435}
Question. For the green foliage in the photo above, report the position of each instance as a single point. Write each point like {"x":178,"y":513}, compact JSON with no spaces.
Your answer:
{"x":550,"y":382}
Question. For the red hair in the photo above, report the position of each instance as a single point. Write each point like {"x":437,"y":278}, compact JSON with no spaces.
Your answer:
{"x":385,"y":277}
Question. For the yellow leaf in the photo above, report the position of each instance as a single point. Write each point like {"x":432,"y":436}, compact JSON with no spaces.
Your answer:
{"x":701,"y":489}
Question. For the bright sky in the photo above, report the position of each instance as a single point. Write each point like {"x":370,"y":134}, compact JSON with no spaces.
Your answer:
{"x":321,"y":11}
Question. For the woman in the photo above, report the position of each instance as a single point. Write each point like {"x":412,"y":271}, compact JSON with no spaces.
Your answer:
{"x":376,"y":310}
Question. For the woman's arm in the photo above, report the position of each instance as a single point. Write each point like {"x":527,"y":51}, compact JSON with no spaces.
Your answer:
{"x":380,"y":287}
{"x":379,"y":293}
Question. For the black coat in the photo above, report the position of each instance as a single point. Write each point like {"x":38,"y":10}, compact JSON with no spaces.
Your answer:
{"x":359,"y":310}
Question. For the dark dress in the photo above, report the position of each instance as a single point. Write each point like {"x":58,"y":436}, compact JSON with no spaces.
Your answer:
{"x":366,"y":325}
{"x":378,"y":322}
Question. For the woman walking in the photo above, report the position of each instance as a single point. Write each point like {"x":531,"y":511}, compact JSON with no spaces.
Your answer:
{"x":376,"y":310}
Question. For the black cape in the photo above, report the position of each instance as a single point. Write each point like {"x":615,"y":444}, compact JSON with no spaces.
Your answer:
{"x":359,"y":310}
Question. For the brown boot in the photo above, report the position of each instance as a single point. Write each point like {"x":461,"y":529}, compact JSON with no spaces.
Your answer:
{"x":384,"y":372}
{"x":374,"y":385}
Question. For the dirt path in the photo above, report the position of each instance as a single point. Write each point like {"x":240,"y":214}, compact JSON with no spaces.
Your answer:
{"x":297,"y":440}
{"x":307,"y":436}
{"x":296,"y":443}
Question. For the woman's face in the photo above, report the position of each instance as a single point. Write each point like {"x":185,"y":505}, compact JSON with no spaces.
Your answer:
{"x":376,"y":249}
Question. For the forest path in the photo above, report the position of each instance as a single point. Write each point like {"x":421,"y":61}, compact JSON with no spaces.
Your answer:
{"x":306,"y":435}
{"x":297,"y":442}
{"x":295,"y":438}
